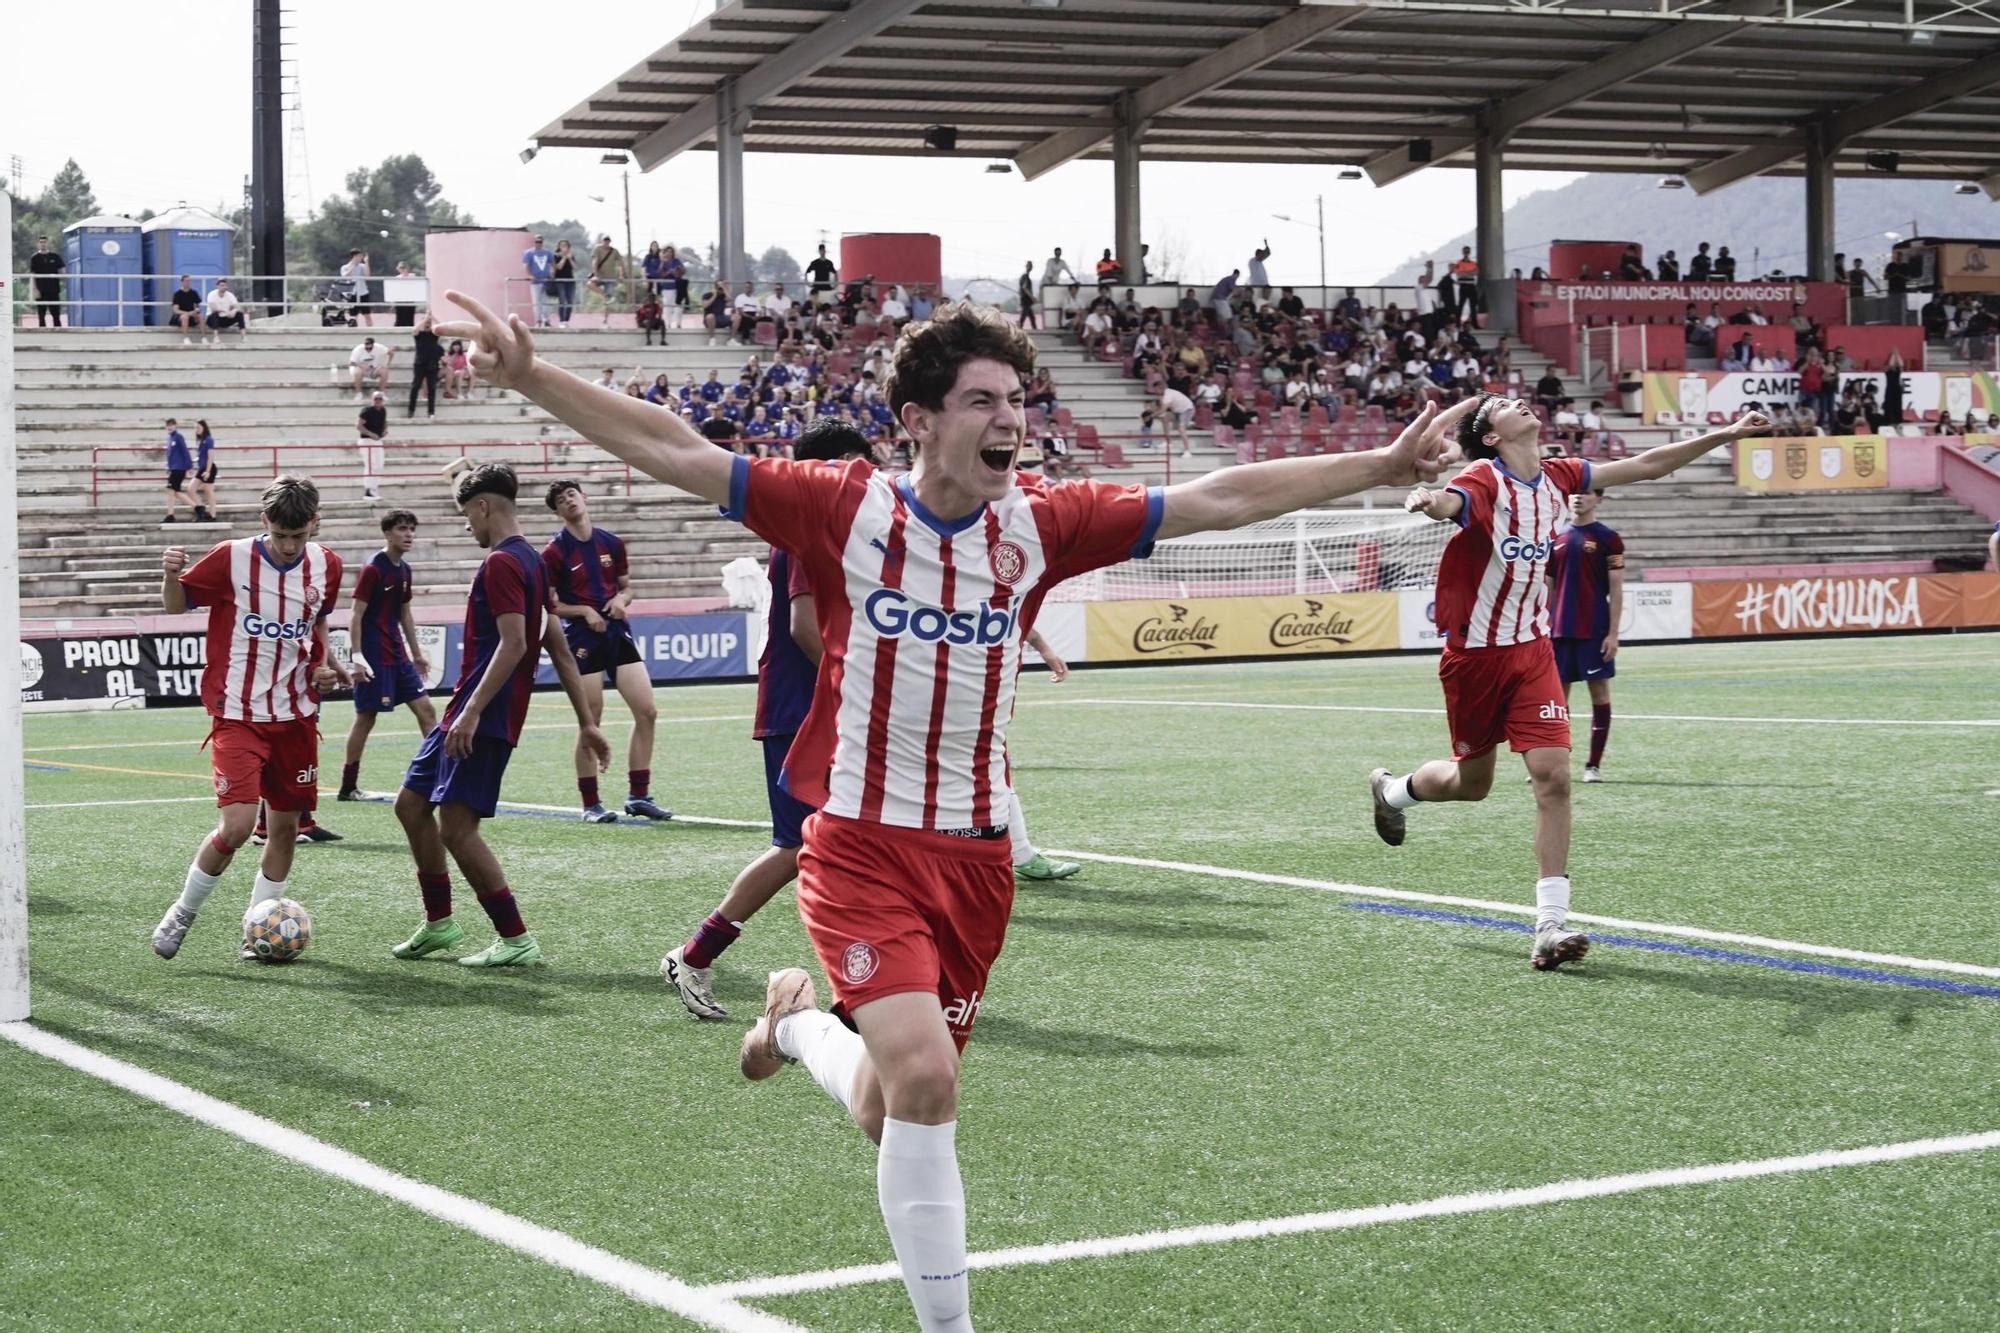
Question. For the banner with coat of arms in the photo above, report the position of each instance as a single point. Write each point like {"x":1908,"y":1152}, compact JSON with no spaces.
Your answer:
{"x":1815,"y":463}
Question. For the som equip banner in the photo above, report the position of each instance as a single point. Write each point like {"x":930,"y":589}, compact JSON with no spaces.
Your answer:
{"x":1846,"y":605}
{"x":696,"y":647}
{"x":1814,"y":463}
{"x":1197,"y":628}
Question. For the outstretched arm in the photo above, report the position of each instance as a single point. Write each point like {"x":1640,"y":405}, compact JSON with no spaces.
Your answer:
{"x":659,"y":444}
{"x":1662,"y":459}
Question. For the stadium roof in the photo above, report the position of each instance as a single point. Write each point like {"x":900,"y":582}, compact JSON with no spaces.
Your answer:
{"x":1714,"y":91}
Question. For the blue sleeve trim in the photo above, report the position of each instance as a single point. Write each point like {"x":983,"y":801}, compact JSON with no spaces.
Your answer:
{"x":739,"y":486}
{"x":1156,"y":508}
{"x":1465,"y":510}
{"x":1586,"y":476}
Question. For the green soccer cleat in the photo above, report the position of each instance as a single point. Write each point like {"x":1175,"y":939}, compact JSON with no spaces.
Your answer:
{"x":522,"y":951}
{"x":1042,"y":868}
{"x":430,"y":937}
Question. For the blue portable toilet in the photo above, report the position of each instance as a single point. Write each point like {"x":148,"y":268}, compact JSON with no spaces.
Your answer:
{"x":184,"y":240}
{"x":105,"y":271}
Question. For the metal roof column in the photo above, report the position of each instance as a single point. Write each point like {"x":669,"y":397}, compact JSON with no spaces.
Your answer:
{"x":1490,"y":226}
{"x":1125,"y":189}
{"x":1821,"y":150}
{"x":730,"y":122}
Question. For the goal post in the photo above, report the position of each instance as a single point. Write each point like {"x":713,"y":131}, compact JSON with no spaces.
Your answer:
{"x":13,"y":793}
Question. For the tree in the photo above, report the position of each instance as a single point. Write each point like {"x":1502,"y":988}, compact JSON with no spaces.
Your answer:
{"x":384,"y":212}
{"x":712,"y":261}
{"x":69,"y":198}
{"x":569,"y":229}
{"x":777,"y":265}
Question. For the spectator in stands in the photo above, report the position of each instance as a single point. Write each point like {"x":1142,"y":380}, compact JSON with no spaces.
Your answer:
{"x":608,"y":379}
{"x":1291,"y":305}
{"x":1219,"y":299}
{"x":661,"y":393}
{"x":1977,"y":342}
{"x":205,"y":472}
{"x":427,"y":367}
{"x":1739,"y":354}
{"x":745,"y":309}
{"x":607,"y":272}
{"x":1024,"y":291}
{"x":457,"y":372}
{"x":44,"y":264}
{"x":1859,"y":280}
{"x":1892,"y":387}
{"x":1109,"y":271}
{"x":1260,"y":281}
{"x":1843,"y":364}
{"x":1935,"y":317}
{"x":651,"y":319}
{"x":1466,"y":375}
{"x":922,"y":303}
{"x":1631,"y":267}
{"x":1234,"y":412}
{"x":1041,"y":392}
{"x":1465,"y":272}
{"x":1427,"y":294}
{"x":186,"y":310}
{"x":1096,"y":327}
{"x":715,"y":313}
{"x":778,"y":305}
{"x":653,"y":268}
{"x":539,"y":262}
{"x":1725,"y":265}
{"x":1815,"y":385}
{"x":563,"y":281}
{"x":1147,"y":349}
{"x":821,"y":273}
{"x":1701,"y":268}
{"x":894,"y":308}
{"x":1669,"y":268}
{"x":225,"y":312}
{"x":1057,"y":271}
{"x":405,"y":315}
{"x":1549,"y":389}
{"x":674,"y":277}
{"x":1695,"y":329}
{"x":1896,"y":276}
{"x":179,"y":464}
{"x":1176,"y":415}
{"x":1385,"y":386}
{"x":371,"y":427}
{"x":354,"y":284}
{"x":1765,"y":362}
{"x":1871,"y":409}
{"x":369,"y":363}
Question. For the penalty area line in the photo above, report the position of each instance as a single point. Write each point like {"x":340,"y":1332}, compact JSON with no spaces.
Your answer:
{"x":646,"y":1285}
{"x":1350,"y":1219}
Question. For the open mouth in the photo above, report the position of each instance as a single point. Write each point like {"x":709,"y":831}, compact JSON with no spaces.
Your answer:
{"x":999,"y":457}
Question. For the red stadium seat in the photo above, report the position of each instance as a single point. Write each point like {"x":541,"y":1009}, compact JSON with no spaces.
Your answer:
{"x":1114,"y":456}
{"x":1225,"y":437}
{"x":1087,"y":437}
{"x":1065,"y":421}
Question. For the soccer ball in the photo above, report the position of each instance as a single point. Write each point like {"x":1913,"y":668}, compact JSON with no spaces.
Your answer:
{"x":277,"y":930}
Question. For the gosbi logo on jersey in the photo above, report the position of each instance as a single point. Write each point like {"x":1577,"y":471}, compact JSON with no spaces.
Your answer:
{"x":893,"y":615}
{"x":1009,"y":562}
{"x":1513,"y":548}
{"x":256,"y":627}
{"x":858,"y":962}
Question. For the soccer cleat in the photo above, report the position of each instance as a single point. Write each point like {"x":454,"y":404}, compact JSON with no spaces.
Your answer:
{"x":257,"y":839}
{"x":246,"y":954}
{"x":350,"y":794}
{"x":521,"y":951}
{"x":789,"y":992}
{"x":173,"y":928}
{"x":1388,"y":819}
{"x":1041,"y":868}
{"x":597,"y":814}
{"x":430,"y":937}
{"x":1591,"y":774}
{"x":644,"y":807}
{"x":1555,"y":946}
{"x":695,"y":985}
{"x":318,"y":833}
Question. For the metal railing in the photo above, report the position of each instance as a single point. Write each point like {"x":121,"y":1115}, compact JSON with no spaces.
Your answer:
{"x":126,"y":296}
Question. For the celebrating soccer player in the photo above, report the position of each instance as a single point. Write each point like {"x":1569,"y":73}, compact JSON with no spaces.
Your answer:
{"x":454,"y":781}
{"x":267,"y":599}
{"x":592,"y":587}
{"x":1498,"y":670}
{"x":923,"y":586}
{"x":389,"y":668}
{"x":1587,"y":575}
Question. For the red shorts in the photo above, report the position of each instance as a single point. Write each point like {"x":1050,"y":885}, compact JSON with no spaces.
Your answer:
{"x":276,"y":762}
{"x":894,"y":910}
{"x":1511,"y":694}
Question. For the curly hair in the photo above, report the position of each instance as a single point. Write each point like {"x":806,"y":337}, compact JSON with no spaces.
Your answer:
{"x":494,"y":480}
{"x":558,"y":488}
{"x":829,"y":439}
{"x":396,"y":518}
{"x":930,"y":352}
{"x":290,"y":502}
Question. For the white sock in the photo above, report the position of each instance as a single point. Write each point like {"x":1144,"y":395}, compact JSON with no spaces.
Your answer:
{"x":265,"y":889}
{"x":1551,"y":901}
{"x":830,"y":1053}
{"x":1017,"y":831}
{"x":1399,"y":796}
{"x":923,"y":1203}
{"x":197,"y":888}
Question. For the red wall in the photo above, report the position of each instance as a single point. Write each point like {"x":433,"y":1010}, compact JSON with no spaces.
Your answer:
{"x":1572,"y":259}
{"x":1870,"y":344}
{"x":908,"y":257}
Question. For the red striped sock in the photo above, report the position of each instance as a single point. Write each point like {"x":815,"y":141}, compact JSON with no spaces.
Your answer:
{"x":710,"y":938}
{"x":588,"y":787}
{"x":503,"y":913}
{"x":437,"y":895}
{"x":639,"y":782}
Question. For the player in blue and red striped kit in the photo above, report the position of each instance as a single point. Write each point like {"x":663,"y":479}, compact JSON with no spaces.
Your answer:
{"x":389,"y":668}
{"x":591,"y":585}
{"x":1587,"y":582}
{"x":457,"y":770}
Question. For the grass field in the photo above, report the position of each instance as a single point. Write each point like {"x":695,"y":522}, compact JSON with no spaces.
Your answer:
{"x":1159,"y":1047}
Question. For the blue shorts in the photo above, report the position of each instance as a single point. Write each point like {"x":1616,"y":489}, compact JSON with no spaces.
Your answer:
{"x":473,"y":782}
{"x":604,"y":652}
{"x":1583,"y":659}
{"x":788,"y":812}
{"x":388,"y":692}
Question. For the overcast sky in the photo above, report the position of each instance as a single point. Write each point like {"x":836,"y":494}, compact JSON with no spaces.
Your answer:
{"x":166,"y":117}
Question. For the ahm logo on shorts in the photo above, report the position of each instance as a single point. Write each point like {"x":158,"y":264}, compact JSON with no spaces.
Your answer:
{"x":894,"y":615}
{"x":1513,"y":548}
{"x":256,"y":627}
{"x":1554,"y":712}
{"x":858,"y":962}
{"x":962,"y":1010}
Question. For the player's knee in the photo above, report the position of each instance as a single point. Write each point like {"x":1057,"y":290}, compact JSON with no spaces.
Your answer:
{"x":412,"y":809}
{"x":645,"y":712}
{"x":926,"y":1088}
{"x":1474,"y":783}
{"x":1552,"y":781}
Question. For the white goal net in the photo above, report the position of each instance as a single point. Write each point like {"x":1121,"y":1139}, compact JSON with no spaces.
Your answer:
{"x":1312,"y":551}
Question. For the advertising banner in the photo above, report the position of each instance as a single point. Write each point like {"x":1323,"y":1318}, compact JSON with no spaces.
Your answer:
{"x":1217,"y":627}
{"x":1846,"y":605}
{"x":1694,"y":395}
{"x":1814,"y":463}
{"x":1652,"y":611}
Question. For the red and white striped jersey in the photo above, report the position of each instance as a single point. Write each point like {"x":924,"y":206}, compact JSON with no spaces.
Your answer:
{"x":261,"y":618}
{"x":1491,"y":592}
{"x":923,"y":622}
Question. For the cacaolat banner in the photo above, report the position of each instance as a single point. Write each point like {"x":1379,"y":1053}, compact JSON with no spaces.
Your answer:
{"x":1215,"y":627}
{"x":1846,"y":605}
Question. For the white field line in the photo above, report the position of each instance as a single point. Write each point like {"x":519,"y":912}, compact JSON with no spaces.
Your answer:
{"x":1517,"y":909}
{"x":194,"y":744}
{"x":151,"y":800}
{"x":643,"y":1284}
{"x":1349,"y":1219}
{"x":1622,"y":717}
{"x":328,"y":791}
{"x":678,"y":818}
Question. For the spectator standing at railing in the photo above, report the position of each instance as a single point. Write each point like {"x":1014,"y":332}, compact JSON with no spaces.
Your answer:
{"x":821,"y":273}
{"x":653,"y":267}
{"x":1859,"y":280}
{"x":1109,"y":270}
{"x":1892,"y":387}
{"x":1427,"y":296}
{"x":607,"y":272}
{"x":1219,"y":299}
{"x":354,"y":283}
{"x":1701,"y":267}
{"x":674,"y":272}
{"x":405,"y":315}
{"x":563,"y":279}
{"x":1057,"y":271}
{"x":205,"y":472}
{"x":428,"y":366}
{"x":1024,"y":291}
{"x":1725,"y":265}
{"x":1259,"y":279}
{"x":1465,"y":272}
{"x":179,"y":464}
{"x":540,"y":261}
{"x":1631,"y":268}
{"x":225,"y":311}
{"x":1668,"y":268}
{"x":372,"y":427}
{"x":48,"y":289}
{"x":186,"y":310}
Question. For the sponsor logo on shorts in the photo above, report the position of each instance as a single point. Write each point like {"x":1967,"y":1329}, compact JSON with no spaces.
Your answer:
{"x":962,"y":1010}
{"x":222,"y":784}
{"x":1009,"y":562}
{"x":306,"y":777}
{"x":858,"y":962}
{"x":1463,"y":747}
{"x":1554,"y":712}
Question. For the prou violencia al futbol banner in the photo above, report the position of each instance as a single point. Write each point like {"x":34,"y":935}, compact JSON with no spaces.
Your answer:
{"x":1728,"y":608}
{"x":1814,"y":463}
{"x":1200,"y":628}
